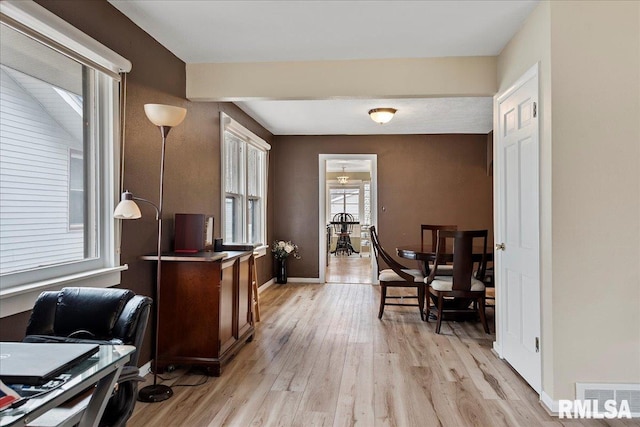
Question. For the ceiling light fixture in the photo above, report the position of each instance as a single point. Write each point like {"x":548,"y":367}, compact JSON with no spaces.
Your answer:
{"x":342,"y":179}
{"x":382,"y":115}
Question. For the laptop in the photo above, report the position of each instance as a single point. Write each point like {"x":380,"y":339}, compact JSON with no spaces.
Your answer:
{"x":38,"y":363}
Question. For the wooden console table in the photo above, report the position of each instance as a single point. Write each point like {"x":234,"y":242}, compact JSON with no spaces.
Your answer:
{"x":206,"y":308}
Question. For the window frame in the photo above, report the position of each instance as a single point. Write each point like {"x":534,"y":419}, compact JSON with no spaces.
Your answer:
{"x":72,"y":225}
{"x":20,"y":290}
{"x":247,"y":138}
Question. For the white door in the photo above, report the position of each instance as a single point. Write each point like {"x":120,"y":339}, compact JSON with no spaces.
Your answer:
{"x":517,"y":216}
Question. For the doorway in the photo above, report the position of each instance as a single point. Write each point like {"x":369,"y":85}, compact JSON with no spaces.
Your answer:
{"x":347,"y":208}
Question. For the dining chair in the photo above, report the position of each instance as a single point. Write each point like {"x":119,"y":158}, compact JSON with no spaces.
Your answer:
{"x":489,"y":283}
{"x":433,"y":233}
{"x":432,"y":230}
{"x":455,"y":293}
{"x":396,"y":276}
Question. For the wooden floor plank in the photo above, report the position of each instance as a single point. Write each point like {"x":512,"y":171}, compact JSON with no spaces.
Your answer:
{"x":355,"y":397}
{"x":321,"y":357}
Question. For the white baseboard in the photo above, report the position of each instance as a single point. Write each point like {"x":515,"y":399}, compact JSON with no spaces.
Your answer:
{"x":264,"y":286}
{"x":304,"y":279}
{"x":497,"y":349}
{"x":145,"y":369}
{"x":550,"y":405}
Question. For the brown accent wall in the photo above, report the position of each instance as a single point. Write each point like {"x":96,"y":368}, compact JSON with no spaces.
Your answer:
{"x":192,"y":167}
{"x":422,"y":179}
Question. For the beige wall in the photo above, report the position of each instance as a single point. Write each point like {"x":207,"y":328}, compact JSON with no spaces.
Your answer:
{"x":589,"y":54}
{"x":468,"y":76}
{"x":595,"y":57}
{"x":422,"y":179}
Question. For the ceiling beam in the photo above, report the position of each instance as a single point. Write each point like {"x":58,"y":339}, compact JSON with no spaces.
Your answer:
{"x":381,"y":78}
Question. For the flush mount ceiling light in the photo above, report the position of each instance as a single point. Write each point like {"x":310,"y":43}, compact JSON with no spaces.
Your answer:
{"x":382,"y":115}
{"x":342,"y":179}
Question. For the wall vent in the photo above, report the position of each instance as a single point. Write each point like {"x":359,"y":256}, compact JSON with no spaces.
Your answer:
{"x":617,"y":392}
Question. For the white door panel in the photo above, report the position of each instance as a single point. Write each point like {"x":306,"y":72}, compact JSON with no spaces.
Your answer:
{"x":517,"y":225}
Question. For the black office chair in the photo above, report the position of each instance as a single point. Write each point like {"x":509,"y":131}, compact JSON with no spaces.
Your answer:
{"x":101,"y":316}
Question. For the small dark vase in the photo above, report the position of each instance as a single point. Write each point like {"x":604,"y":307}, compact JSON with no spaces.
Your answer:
{"x":282,"y":271}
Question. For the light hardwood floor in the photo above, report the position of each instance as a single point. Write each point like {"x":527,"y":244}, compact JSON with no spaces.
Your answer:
{"x":321,"y":357}
{"x":349,"y":269}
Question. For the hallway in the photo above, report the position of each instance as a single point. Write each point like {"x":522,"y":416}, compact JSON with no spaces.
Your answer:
{"x":349,"y":269}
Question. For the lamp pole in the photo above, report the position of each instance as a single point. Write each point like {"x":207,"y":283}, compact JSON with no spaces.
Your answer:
{"x":158,"y":392}
{"x":165,"y":117}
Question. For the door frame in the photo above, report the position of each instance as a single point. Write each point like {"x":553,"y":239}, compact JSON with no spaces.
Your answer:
{"x":500,"y":312}
{"x":322,"y":203}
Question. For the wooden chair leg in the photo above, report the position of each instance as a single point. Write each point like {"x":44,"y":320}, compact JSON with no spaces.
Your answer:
{"x":483,"y":317}
{"x":421,"y":300}
{"x":427,"y":301}
{"x":256,"y":296}
{"x":440,"y":304}
{"x":383,"y":297}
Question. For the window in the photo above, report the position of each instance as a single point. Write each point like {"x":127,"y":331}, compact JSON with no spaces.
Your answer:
{"x":244,"y":178}
{"x":345,"y":199}
{"x":353,"y":198}
{"x":58,"y":156}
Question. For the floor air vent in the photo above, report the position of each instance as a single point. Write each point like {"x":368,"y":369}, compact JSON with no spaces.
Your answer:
{"x":617,"y":392}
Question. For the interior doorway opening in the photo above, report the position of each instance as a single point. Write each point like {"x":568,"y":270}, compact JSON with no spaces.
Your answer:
{"x":347,"y":210}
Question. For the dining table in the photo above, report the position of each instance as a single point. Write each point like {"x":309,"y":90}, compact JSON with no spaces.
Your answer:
{"x":426,"y":255}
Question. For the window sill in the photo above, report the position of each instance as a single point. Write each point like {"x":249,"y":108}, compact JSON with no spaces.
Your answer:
{"x":21,"y":298}
{"x":260,"y":251}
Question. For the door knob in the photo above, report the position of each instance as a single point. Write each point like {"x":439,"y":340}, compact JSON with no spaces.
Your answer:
{"x":500,"y":247}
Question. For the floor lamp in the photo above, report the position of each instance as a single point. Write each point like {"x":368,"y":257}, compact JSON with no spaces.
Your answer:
{"x":165,"y":117}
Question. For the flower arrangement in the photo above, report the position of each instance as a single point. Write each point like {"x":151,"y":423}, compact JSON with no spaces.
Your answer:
{"x":281,"y":250}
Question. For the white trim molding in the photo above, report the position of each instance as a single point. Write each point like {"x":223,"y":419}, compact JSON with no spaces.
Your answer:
{"x":549,"y":404}
{"x":265,"y":285}
{"x":21,"y":298}
{"x":32,"y":15}
{"x":304,"y":280}
{"x":322,"y":210}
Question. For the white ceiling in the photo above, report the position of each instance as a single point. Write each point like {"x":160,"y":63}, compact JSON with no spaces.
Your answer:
{"x":258,"y":31}
{"x":349,"y":117}
{"x":349,"y":165}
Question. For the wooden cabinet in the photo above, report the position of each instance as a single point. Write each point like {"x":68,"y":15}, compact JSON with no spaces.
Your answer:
{"x":205,"y":309}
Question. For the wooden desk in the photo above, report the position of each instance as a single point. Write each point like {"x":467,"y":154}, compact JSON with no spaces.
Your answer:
{"x":206,"y":313}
